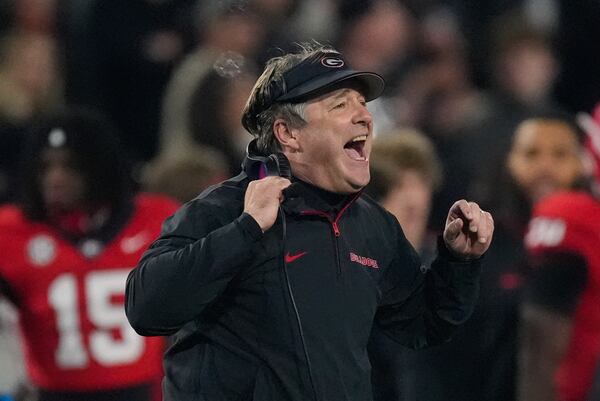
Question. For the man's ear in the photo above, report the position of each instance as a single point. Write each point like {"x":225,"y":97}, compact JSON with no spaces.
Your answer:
{"x":286,"y":135}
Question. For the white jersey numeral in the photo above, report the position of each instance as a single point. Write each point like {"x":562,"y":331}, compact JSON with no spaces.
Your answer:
{"x":103,"y":346}
{"x":62,"y":296}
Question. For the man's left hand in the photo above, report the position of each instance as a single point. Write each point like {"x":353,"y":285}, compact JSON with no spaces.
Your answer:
{"x":469,"y":230}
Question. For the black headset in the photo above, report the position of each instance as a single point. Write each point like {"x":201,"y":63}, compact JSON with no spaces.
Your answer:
{"x":259,"y":166}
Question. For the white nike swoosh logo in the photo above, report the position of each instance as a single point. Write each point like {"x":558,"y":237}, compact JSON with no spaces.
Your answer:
{"x":134,"y":243}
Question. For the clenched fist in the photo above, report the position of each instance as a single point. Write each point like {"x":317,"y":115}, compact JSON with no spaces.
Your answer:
{"x":263,"y":198}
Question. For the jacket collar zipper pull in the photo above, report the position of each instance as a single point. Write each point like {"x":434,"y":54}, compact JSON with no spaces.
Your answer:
{"x":336,"y":229}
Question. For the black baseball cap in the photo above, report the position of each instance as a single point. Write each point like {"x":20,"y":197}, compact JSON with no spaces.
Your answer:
{"x":313,"y":77}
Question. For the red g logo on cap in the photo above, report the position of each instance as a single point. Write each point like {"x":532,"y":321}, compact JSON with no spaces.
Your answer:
{"x":332,"y":62}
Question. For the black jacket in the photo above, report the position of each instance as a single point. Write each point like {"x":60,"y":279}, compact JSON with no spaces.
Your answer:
{"x":216,"y":282}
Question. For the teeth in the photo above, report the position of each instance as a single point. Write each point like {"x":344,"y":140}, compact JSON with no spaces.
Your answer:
{"x":360,"y":138}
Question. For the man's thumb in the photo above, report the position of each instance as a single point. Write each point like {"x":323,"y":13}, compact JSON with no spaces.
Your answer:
{"x":453,"y":229}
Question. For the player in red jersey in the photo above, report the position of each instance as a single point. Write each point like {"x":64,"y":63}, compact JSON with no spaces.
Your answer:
{"x":560,"y":342}
{"x":67,"y":247}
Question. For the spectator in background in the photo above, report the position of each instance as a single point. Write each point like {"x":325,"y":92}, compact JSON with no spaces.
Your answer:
{"x":545,"y":157}
{"x":481,"y":363}
{"x":120,"y":59}
{"x":30,"y":86}
{"x":30,"y":77}
{"x":524,"y":72}
{"x":476,"y":17}
{"x":405,"y":172}
{"x":214,"y":114}
{"x":211,"y":117}
{"x":524,"y":64}
{"x":560,"y":329}
{"x":206,"y":93}
{"x":67,"y":247}
{"x":185,"y":176}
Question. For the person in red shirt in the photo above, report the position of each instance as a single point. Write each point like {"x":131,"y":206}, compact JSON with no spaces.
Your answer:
{"x":67,"y":247}
{"x":560,"y":329}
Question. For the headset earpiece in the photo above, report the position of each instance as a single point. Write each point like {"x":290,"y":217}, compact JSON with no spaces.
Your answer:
{"x":258,"y":166}
{"x":283,"y":165}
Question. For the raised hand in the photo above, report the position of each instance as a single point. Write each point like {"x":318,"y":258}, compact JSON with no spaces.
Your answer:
{"x":262,"y":199}
{"x":469,"y":230}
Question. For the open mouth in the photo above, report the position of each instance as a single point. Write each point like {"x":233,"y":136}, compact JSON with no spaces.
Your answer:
{"x":355,"y":149}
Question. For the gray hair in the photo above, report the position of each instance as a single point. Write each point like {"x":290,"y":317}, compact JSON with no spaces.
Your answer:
{"x":259,"y":120}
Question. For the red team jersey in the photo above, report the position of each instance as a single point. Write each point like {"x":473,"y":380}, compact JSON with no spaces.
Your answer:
{"x":76,"y":336}
{"x":570,"y":222}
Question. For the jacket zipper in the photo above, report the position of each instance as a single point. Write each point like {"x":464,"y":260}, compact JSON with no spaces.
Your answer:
{"x":335,"y":227}
{"x":336,"y":234}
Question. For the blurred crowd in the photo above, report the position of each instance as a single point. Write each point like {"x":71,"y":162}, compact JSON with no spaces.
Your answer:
{"x":480,"y":102}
